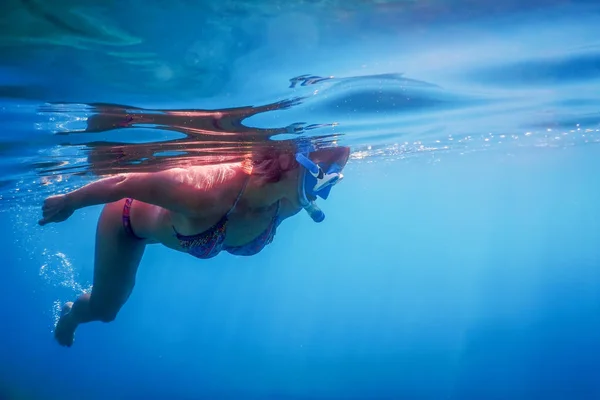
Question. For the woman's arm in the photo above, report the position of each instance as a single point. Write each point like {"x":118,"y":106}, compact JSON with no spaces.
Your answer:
{"x":194,"y":192}
{"x":191,"y":191}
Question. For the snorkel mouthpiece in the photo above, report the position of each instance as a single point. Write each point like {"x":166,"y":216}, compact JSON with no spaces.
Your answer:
{"x":315,"y":212}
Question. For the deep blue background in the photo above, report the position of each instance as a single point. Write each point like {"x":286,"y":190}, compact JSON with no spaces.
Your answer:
{"x":451,"y":281}
{"x":472,"y":273}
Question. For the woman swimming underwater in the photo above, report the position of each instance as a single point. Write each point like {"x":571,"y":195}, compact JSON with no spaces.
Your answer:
{"x":200,"y":210}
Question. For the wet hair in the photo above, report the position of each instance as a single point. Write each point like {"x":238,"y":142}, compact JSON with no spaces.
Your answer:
{"x":272,"y":163}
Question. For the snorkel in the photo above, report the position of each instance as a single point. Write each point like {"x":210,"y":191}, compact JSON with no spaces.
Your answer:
{"x":314,"y":182}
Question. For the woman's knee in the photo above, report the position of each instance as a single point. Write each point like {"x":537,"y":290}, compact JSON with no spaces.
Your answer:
{"x":104,"y":311}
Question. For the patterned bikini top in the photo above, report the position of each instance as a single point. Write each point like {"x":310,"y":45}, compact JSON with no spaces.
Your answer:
{"x":211,"y":242}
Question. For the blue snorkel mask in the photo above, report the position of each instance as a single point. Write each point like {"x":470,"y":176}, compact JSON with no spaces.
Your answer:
{"x":314,"y":182}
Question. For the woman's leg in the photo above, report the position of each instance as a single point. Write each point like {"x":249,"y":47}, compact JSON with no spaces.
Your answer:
{"x":117,"y":257}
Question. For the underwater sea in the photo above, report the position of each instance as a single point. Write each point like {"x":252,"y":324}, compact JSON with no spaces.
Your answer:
{"x":459,"y":258}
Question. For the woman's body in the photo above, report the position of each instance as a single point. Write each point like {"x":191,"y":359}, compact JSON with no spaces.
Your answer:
{"x":198,"y":210}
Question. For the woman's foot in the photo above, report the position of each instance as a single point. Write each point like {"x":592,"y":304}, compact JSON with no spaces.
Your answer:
{"x":64,"y":333}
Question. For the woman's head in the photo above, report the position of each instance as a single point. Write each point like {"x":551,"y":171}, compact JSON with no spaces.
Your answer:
{"x":305,"y":176}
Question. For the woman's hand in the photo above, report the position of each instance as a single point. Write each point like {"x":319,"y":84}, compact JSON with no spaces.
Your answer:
{"x":56,"y":209}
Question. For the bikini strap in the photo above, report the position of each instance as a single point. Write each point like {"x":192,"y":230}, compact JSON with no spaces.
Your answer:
{"x":239,"y":196}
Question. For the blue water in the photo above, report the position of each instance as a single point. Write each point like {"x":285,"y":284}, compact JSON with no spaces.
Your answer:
{"x":459,"y":258}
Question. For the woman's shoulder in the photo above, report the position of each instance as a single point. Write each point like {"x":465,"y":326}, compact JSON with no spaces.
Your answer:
{"x":210,"y":177}
{"x":205,"y":190}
